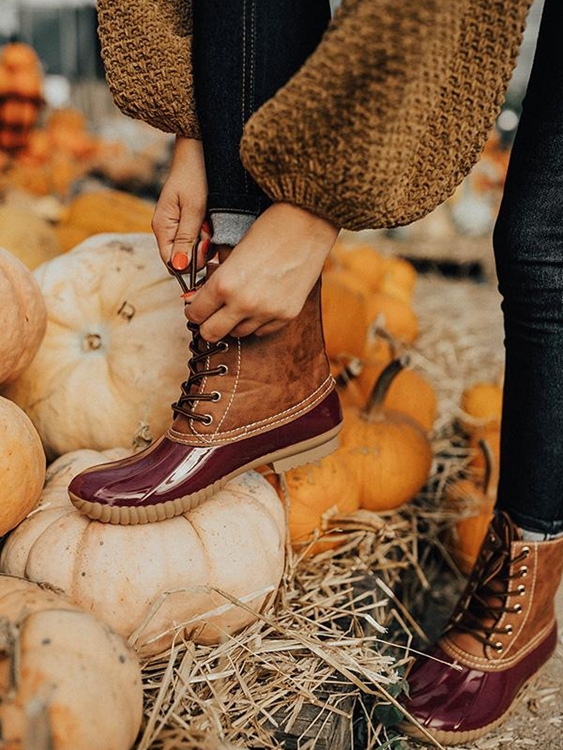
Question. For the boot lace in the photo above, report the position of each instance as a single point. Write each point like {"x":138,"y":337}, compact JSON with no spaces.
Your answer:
{"x":201,"y":351}
{"x":491,"y":585}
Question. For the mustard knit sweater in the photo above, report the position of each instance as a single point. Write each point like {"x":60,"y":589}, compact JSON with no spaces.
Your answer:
{"x":379,"y":125}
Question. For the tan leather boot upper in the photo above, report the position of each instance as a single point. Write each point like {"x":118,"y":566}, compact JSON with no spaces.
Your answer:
{"x":255,"y":383}
{"x":508,"y":606}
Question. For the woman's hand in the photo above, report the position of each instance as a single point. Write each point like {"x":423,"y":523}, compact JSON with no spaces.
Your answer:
{"x":180,"y":211}
{"x":264,"y":282}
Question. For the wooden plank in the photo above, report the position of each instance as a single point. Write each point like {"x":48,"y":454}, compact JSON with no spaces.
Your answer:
{"x":317,"y":726}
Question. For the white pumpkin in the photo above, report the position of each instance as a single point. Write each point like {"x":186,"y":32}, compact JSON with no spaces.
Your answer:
{"x":153,"y":580}
{"x":22,"y":316}
{"x":115,"y":350}
{"x":22,"y":465}
{"x":65,"y":666}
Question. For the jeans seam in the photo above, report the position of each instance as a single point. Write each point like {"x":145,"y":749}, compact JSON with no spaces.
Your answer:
{"x":245,"y":97}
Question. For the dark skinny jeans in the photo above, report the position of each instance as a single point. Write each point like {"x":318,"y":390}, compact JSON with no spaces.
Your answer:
{"x":528,"y":244}
{"x":246,"y":49}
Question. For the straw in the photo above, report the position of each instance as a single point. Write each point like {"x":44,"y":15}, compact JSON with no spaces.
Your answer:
{"x":344,"y":623}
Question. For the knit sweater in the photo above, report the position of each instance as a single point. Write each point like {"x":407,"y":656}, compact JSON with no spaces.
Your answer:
{"x":379,"y":125}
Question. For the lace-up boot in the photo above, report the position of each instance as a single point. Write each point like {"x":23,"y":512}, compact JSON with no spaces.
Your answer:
{"x":247,"y":402}
{"x":502,"y":631}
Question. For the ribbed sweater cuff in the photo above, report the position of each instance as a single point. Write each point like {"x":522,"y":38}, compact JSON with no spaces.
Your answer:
{"x":300,"y":190}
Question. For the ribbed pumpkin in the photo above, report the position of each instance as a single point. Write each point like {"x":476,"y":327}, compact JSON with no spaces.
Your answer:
{"x":473,"y":500}
{"x":365,"y":263}
{"x":387,"y":453}
{"x":395,"y":315}
{"x":67,"y":667}
{"x":481,"y":404}
{"x":146,"y":581}
{"x":409,"y":392}
{"x":102,"y":211}
{"x":23,"y":317}
{"x":344,"y":317}
{"x":115,"y":350}
{"x":22,"y":465}
{"x":398,"y":278}
{"x":316,"y":492}
{"x":20,"y":94}
{"x":27,"y":236}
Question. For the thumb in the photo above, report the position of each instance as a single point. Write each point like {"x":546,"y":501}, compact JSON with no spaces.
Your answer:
{"x":187,"y":232}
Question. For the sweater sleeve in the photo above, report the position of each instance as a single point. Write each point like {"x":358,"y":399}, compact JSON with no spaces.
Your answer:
{"x":146,"y":50}
{"x":391,"y":110}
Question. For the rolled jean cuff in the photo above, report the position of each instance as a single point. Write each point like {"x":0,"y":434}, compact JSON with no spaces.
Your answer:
{"x":229,"y":227}
{"x":540,"y":525}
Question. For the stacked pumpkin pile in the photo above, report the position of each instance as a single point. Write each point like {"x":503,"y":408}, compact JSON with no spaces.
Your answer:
{"x":82,"y":344}
{"x":385,"y":454}
{"x":472,"y":497}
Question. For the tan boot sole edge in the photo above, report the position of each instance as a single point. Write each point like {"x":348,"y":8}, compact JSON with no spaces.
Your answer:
{"x":305,"y":452}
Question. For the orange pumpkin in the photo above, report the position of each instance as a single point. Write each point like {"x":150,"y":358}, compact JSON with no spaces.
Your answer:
{"x":344,"y":317}
{"x":365,"y":263}
{"x":473,"y":501}
{"x":20,"y":95}
{"x":316,"y":492}
{"x":396,"y":316}
{"x":409,"y":391}
{"x":387,"y":453}
{"x":398,"y":278}
{"x":109,"y":211}
{"x":481,"y":404}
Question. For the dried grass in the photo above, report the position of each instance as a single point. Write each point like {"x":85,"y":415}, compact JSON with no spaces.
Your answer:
{"x":343,"y":622}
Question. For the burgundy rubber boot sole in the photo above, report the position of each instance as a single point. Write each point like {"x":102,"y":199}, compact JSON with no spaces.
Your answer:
{"x":458,"y":707}
{"x":170,"y":478}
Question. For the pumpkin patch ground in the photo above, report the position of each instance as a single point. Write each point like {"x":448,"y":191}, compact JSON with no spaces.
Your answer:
{"x":324,"y":653}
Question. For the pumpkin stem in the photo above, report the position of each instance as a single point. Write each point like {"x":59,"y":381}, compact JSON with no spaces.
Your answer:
{"x":379,"y":331}
{"x":92,"y":342}
{"x":349,"y":372}
{"x":489,"y":464}
{"x":386,"y":377}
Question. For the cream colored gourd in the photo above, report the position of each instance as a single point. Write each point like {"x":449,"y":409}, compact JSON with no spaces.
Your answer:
{"x":23,"y":316}
{"x":27,"y":236}
{"x":233,"y":542}
{"x":67,"y":666}
{"x":115,"y":350}
{"x":22,"y":465}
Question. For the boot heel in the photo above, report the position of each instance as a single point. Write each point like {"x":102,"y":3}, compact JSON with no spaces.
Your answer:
{"x":306,"y":456}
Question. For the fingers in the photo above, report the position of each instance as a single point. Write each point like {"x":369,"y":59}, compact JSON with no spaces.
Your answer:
{"x":180,"y":210}
{"x":223,"y":323}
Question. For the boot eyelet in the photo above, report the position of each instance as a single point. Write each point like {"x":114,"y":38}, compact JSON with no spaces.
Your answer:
{"x":498,"y":647}
{"x":509,"y":630}
{"x":223,"y":369}
{"x":223,"y":346}
{"x":525,"y":551}
{"x":215,"y":396}
{"x":207,"y":419}
{"x":523,"y":571}
{"x":517,"y":609}
{"x":521,"y":589}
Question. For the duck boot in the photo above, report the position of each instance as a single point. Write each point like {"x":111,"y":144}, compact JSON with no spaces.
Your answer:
{"x":500,"y":635}
{"x":247,"y":402}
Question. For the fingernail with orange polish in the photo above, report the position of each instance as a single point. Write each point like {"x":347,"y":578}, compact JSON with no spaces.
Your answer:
{"x":189,"y":294}
{"x":180,"y":261}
